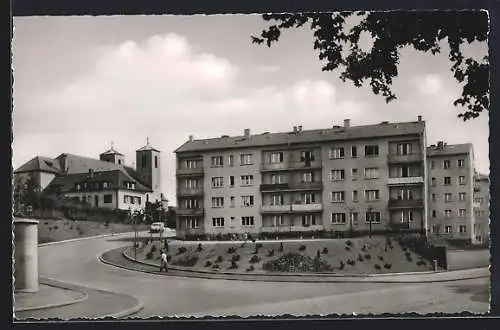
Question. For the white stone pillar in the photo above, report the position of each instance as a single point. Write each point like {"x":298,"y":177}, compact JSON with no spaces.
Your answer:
{"x":26,"y":255}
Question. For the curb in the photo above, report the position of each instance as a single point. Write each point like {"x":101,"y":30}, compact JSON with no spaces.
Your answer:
{"x":126,"y":312}
{"x":67,"y":303}
{"x":265,"y":278}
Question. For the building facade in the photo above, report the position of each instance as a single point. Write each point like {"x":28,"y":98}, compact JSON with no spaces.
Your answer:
{"x":361,"y":178}
{"x":482,"y":208}
{"x":451,"y":191}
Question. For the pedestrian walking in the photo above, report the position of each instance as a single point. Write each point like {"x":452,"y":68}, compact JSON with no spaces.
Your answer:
{"x":163,"y":262}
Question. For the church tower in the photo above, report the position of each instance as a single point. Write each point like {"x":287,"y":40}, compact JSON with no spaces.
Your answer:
{"x":112,"y":156}
{"x":148,"y":167}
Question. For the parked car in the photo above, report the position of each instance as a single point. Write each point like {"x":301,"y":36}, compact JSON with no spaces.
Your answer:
{"x":157,"y":227}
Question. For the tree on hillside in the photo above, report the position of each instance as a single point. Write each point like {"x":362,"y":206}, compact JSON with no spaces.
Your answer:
{"x":339,"y":46}
{"x":171,"y":218}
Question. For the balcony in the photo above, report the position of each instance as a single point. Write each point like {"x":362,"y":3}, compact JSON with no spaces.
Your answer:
{"x":405,"y":181}
{"x":307,"y":207}
{"x":276,"y":208}
{"x":189,"y":192}
{"x":294,"y":186}
{"x":401,"y":159}
{"x":290,"y":166}
{"x":400,"y":203}
{"x":190,"y":212}
{"x":476,"y":205}
{"x":198,"y":171}
{"x":284,"y":229}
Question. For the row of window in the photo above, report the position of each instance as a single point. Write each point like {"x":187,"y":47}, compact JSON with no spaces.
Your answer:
{"x":93,"y":185}
{"x":448,"y":213}
{"x":447,"y":181}
{"x":448,"y":197}
{"x":448,"y":229}
{"x":246,"y":221}
{"x":107,"y":199}
{"x":446,"y":164}
{"x":218,"y":161}
{"x":246,"y":201}
{"x":131,"y":199}
{"x":245,"y":180}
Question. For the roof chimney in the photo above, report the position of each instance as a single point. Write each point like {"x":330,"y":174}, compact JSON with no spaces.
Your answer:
{"x":247,"y":132}
{"x":299,"y":128}
{"x":295,"y":129}
{"x":347,"y":123}
{"x":440,"y":144}
{"x":191,"y":138}
{"x":419,"y":118}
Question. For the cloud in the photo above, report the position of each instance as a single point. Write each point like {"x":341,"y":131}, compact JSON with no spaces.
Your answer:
{"x":429,"y":84}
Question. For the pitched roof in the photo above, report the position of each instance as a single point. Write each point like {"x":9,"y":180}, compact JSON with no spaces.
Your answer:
{"x":112,"y":151}
{"x":306,"y":136}
{"x":40,"y":164}
{"x":133,"y":173}
{"x":148,"y":147}
{"x":117,"y":179}
{"x":78,"y":164}
{"x":449,"y":149}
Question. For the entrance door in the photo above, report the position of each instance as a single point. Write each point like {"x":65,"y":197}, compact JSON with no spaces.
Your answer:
{"x":96,"y":201}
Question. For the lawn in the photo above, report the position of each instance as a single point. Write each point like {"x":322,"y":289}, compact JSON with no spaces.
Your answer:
{"x":350,"y":256}
{"x":59,"y":230}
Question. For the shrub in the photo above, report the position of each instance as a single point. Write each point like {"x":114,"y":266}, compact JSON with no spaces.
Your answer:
{"x":360,"y":258}
{"x":318,"y":254}
{"x":153,"y":248}
{"x":187,"y":261}
{"x":377,"y":266}
{"x":325,"y":250}
{"x":368,"y":256}
{"x":149,"y":255}
{"x":408,"y":254}
{"x":296,"y":262}
{"x":351,"y":262}
{"x":381,"y":258}
{"x":234,"y":265}
{"x":235,"y":258}
{"x":302,"y":247}
{"x":281,"y":247}
{"x":347,"y":248}
{"x":348,"y":242}
{"x":208,"y":263}
{"x":387,"y":266}
{"x":270,"y":253}
{"x":404,"y":248}
{"x":230,"y":250}
{"x":55,"y":227}
{"x":251,"y":268}
{"x":409,"y":259}
{"x":421,"y":263}
{"x":342,"y":264}
{"x":215,"y":266}
{"x":181,"y":250}
{"x":254,"y":259}
{"x":46,"y":223}
{"x":219,"y":259}
{"x":200,"y":248}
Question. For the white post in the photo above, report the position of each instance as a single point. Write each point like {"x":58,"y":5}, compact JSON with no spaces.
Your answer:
{"x":26,"y":255}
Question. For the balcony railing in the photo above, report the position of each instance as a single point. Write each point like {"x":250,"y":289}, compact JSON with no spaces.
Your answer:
{"x":190,"y":192}
{"x":292,"y":186}
{"x":410,"y":158}
{"x":291,"y":208}
{"x":306,"y":207}
{"x":190,"y":171}
{"x":476,"y":205}
{"x":290,"y":166}
{"x":284,"y":229}
{"x":405,"y":181}
{"x":275,"y":208}
{"x":188,"y":212}
{"x":400,"y":203}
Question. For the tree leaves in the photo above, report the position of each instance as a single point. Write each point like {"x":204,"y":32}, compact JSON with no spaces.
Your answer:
{"x":339,"y":46}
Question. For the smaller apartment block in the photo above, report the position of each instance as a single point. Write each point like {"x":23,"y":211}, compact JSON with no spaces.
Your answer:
{"x":481,"y":204}
{"x":345,"y":178}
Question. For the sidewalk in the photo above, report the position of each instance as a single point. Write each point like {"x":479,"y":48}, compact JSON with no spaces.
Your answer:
{"x":87,"y":303}
{"x":117,"y":258}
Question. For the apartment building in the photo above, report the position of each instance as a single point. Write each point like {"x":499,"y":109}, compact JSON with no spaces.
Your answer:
{"x":482,"y":208}
{"x":451,"y":191}
{"x":361,"y":178}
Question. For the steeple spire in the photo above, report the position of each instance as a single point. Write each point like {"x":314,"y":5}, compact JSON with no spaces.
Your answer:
{"x":147,"y":141}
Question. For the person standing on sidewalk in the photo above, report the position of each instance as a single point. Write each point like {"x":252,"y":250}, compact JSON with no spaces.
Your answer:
{"x":163,"y":261}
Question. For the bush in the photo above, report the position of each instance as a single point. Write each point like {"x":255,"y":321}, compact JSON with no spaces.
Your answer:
{"x":421,"y":263}
{"x":325,"y":250}
{"x":153,"y":248}
{"x":302,"y":247}
{"x":251,"y":268}
{"x":387,"y":266}
{"x":216,"y":266}
{"x":404,"y":248}
{"x":200,"y":248}
{"x":347,"y":248}
{"x":219,"y":259}
{"x":342,"y":264}
{"x":381,"y":258}
{"x":230,"y":250}
{"x":296,"y":262}
{"x":351,"y":262}
{"x":377,"y":266}
{"x":55,"y":227}
{"x":234,"y":265}
{"x":149,"y":255}
{"x":208,"y":263}
{"x":409,"y":259}
{"x":254,"y":259}
{"x":360,"y":258}
{"x":270,"y":253}
{"x":348,"y":242}
{"x":235,"y":258}
{"x":181,"y":250}
{"x":368,"y":256}
{"x":46,"y":223}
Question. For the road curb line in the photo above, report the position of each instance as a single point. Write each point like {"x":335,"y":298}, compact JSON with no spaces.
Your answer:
{"x":83,"y":238}
{"x":47,"y":306}
{"x":277,"y":277}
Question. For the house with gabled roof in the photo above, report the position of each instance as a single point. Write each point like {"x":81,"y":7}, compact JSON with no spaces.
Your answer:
{"x":105,"y":182}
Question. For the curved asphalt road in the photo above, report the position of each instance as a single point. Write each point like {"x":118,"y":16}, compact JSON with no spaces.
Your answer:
{"x":77,"y":263}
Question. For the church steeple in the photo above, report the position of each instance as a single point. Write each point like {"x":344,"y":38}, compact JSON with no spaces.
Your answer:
{"x":112,"y":156}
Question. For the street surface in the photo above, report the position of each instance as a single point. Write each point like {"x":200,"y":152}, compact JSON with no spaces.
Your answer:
{"x":77,"y":263}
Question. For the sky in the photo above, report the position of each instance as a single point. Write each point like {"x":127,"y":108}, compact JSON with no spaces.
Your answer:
{"x":82,"y":82}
